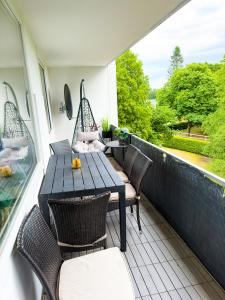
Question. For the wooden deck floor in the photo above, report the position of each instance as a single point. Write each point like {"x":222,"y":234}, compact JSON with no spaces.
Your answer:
{"x":161,"y":264}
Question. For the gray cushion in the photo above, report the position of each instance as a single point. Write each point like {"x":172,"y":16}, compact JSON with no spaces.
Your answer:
{"x":61,"y":147}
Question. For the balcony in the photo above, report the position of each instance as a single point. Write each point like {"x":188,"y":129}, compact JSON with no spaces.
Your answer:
{"x":169,"y":262}
{"x":182,"y":207}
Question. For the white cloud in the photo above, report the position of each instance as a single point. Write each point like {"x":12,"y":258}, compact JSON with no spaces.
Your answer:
{"x":198,"y":28}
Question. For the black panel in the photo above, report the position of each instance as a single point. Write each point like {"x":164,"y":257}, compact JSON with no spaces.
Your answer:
{"x":192,"y":203}
{"x":68,"y":102}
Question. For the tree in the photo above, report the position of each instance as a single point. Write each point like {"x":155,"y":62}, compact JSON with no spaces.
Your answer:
{"x":214,"y":126}
{"x":162,"y":118}
{"x":192,"y":92}
{"x":134,"y":109}
{"x":176,"y":60}
{"x":152,"y":94}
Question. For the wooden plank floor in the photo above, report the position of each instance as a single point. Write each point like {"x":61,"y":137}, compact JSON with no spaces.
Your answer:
{"x":161,"y":265}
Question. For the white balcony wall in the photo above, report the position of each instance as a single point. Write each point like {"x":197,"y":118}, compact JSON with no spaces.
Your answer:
{"x":100,"y":90}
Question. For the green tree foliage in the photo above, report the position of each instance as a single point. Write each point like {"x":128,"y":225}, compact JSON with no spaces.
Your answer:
{"x":152,"y":94}
{"x":162,"y":119}
{"x":192,"y":92}
{"x":176,"y":60}
{"x":134,"y":109}
{"x":214,"y":126}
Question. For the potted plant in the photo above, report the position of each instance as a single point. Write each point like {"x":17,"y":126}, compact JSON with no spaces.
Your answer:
{"x":122,"y":134}
{"x":106,"y":131}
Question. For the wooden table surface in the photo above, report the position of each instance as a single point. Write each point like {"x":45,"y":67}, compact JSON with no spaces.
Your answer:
{"x":95,"y":176}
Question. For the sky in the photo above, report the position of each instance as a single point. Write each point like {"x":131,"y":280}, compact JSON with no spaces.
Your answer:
{"x":198,"y":29}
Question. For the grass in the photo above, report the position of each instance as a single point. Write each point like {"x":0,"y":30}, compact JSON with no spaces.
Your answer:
{"x":196,"y":159}
{"x":194,"y":130}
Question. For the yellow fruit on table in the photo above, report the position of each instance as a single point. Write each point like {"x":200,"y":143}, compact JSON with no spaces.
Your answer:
{"x":76,"y":164}
{"x":6,"y":171}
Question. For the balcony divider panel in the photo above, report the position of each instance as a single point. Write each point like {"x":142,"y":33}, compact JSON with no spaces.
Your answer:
{"x":193,"y":204}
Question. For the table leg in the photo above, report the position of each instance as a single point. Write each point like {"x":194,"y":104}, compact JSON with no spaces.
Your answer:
{"x":122,"y":209}
{"x":43,"y":204}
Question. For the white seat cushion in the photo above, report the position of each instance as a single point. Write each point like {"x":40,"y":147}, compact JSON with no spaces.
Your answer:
{"x":130,"y":193}
{"x":101,"y":275}
{"x":123,"y":176}
{"x":98,"y":145}
{"x":80,"y":147}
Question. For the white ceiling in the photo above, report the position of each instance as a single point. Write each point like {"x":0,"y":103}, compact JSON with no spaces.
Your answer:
{"x":91,"y":32}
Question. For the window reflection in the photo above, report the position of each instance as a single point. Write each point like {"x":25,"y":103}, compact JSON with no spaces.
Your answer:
{"x":17,"y":152}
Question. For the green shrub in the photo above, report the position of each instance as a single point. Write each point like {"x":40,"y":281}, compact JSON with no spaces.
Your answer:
{"x":179,"y":126}
{"x":217,"y":166}
{"x":186,"y":144}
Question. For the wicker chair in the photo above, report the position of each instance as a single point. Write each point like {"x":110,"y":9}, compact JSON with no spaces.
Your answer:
{"x":129,"y":159}
{"x":133,"y":189}
{"x":80,"y":223}
{"x":70,"y":279}
{"x":61,"y":147}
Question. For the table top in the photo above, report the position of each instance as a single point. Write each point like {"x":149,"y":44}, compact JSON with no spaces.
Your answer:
{"x":116,"y":144}
{"x":96,"y":175}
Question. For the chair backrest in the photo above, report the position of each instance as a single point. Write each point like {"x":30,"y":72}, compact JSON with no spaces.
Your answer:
{"x":129,"y":159}
{"x":140,"y":167}
{"x":37,"y":245}
{"x":80,"y":222}
{"x":61,"y":147}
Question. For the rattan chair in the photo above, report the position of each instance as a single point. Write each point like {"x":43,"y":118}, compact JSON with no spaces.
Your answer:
{"x":61,"y":147}
{"x":71,"y":279}
{"x":80,"y":223}
{"x":133,"y":189}
{"x":130,"y":156}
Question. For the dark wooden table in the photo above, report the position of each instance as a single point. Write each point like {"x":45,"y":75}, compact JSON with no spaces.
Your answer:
{"x":116,"y":144}
{"x":95,"y":176}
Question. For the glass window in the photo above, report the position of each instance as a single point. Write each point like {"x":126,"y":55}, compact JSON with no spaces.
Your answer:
{"x":45,"y":95}
{"x":17,"y":151}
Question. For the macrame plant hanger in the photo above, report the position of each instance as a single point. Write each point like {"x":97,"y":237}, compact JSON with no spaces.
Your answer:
{"x":85,"y":120}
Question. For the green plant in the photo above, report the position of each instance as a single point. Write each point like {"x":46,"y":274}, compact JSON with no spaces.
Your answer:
{"x":186,"y":144}
{"x":105,"y":125}
{"x":192,"y":92}
{"x":121,"y":133}
{"x":134,"y":108}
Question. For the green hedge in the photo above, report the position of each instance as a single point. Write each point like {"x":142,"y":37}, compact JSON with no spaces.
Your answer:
{"x":186,"y":144}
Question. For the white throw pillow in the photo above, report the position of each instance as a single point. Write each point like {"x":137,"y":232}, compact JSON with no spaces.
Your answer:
{"x":80,"y":147}
{"x":14,"y":143}
{"x":91,"y":148}
{"x":87,"y":136}
{"x":98,"y":145}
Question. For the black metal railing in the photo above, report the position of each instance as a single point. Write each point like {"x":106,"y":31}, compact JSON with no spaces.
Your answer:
{"x":191,"y":199}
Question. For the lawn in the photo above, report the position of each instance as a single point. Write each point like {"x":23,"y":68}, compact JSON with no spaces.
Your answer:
{"x":195,"y":130}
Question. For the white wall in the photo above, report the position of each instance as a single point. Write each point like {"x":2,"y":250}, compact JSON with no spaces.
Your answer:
{"x":17,"y":281}
{"x":100,"y":90}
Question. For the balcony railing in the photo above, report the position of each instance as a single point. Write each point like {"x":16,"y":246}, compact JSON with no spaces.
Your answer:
{"x":191,"y":199}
